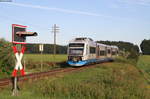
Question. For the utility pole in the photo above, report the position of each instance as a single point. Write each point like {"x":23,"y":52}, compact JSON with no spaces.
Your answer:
{"x":55,"y":29}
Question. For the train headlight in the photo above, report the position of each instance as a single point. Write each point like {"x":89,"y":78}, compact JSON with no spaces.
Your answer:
{"x":74,"y":59}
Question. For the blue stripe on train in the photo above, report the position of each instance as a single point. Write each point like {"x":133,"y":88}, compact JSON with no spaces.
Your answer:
{"x":79,"y":63}
{"x":85,"y":62}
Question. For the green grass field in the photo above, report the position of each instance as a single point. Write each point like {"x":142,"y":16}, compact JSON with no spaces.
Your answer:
{"x":144,"y":63}
{"x":45,"y":57}
{"x":33,"y":62}
{"x":144,"y":66}
{"x":116,"y":80}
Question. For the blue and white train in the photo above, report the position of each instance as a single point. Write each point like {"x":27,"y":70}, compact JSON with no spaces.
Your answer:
{"x":84,"y":51}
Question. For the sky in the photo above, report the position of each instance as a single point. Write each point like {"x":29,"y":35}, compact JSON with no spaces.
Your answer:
{"x":114,"y":20}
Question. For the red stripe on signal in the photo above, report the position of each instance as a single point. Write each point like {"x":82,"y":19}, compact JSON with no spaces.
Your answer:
{"x":14,"y":73}
{"x":23,"y":49}
{"x":15,"y":49}
{"x":17,"y":25}
{"x":19,"y":42}
{"x":22,"y":72}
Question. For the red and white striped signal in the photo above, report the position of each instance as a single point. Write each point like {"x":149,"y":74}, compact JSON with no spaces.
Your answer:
{"x":18,"y":58}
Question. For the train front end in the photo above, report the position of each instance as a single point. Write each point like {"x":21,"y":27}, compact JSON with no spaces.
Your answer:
{"x":76,"y":54}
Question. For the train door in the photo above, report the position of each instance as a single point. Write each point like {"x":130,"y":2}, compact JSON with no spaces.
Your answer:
{"x":111,"y":52}
{"x":87,"y":52}
{"x":97,"y":51}
{"x":106,"y":51}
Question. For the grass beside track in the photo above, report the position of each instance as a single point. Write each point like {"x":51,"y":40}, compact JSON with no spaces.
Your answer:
{"x":144,"y":63}
{"x":144,"y":66}
{"x":117,"y":80}
{"x":45,"y":57}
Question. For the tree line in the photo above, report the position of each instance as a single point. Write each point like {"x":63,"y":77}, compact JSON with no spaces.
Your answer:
{"x":47,"y":49}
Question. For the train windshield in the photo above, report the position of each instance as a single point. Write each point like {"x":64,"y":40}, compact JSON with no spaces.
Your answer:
{"x":76,"y":45}
{"x":77,"y":51}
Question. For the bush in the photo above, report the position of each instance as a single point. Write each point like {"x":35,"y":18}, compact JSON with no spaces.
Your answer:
{"x":6,"y":56}
{"x":133,"y":57}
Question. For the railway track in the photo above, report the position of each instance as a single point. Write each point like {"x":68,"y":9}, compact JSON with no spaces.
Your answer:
{"x":34,"y":76}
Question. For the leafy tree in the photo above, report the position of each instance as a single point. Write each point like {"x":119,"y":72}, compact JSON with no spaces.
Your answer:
{"x":145,"y":47}
{"x":6,"y":56}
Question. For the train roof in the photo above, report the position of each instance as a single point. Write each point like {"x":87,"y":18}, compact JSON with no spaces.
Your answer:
{"x":100,"y":44}
{"x":104,"y":45}
{"x":82,"y":39}
{"x":86,"y":39}
{"x":114,"y":47}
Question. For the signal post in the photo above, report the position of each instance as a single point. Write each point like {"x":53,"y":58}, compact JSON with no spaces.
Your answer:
{"x":19,"y":35}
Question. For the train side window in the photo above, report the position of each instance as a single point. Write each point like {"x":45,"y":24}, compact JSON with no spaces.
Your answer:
{"x":92,"y":50}
{"x":108,"y":51}
{"x":117,"y":52}
{"x":113,"y":53}
{"x":102,"y":53}
{"x":87,"y":52}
